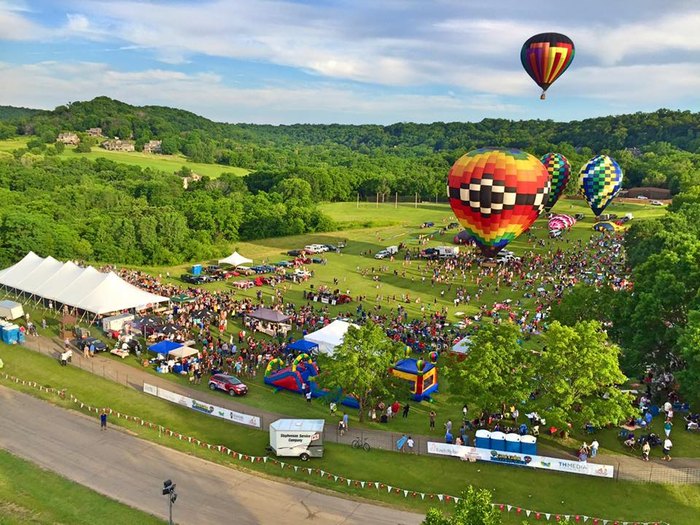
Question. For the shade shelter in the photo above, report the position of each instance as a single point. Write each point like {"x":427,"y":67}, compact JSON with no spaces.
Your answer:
{"x":302,"y":346}
{"x":235,"y":259}
{"x":165,"y":347}
{"x":183,"y":351}
{"x":328,"y":337}
{"x":269,"y":315}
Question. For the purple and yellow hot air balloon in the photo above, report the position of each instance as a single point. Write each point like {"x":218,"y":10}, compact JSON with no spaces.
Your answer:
{"x":545,"y":57}
{"x":559,"y":170}
{"x":496,"y":194}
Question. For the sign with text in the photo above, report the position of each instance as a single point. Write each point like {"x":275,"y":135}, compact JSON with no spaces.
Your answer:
{"x":521,"y":460}
{"x":200,"y":406}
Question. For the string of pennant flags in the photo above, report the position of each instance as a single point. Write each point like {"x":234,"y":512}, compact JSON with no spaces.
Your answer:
{"x":443,"y":498}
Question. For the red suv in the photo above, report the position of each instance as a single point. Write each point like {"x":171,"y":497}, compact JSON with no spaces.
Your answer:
{"x":230,"y":384}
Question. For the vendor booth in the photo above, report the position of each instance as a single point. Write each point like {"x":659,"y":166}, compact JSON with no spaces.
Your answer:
{"x":270,"y":322}
{"x":302,"y":346}
{"x":164,"y":347}
{"x":328,"y":337}
{"x":235,"y":259}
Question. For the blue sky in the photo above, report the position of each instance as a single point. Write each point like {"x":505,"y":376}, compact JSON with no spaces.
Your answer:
{"x":349,"y":61}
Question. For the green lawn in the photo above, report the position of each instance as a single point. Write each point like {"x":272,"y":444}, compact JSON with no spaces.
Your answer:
{"x":167,"y":163}
{"x":29,"y":494}
{"x":549,"y":492}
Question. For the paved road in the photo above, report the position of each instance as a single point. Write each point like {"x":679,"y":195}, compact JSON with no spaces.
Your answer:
{"x":132,"y":471}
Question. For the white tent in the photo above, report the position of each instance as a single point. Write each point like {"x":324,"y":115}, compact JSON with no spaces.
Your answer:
{"x":67,"y":283}
{"x":235,"y":259}
{"x":462,"y":346}
{"x":328,"y":337}
{"x":183,"y":351}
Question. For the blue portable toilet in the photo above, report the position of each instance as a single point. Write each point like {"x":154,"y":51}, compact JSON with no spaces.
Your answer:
{"x":513,"y":442}
{"x":482,"y":438}
{"x":498,"y":441}
{"x":10,"y":334}
{"x":197,"y":269}
{"x":528,"y":445}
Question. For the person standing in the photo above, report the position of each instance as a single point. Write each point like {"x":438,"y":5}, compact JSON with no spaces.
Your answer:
{"x":668,"y":425}
{"x":448,"y":426}
{"x":465,"y":411}
{"x":667,"y":449}
{"x":308,"y":396}
{"x":646,"y":448}
{"x":103,"y":420}
{"x":346,"y":421}
{"x":594,"y":448}
{"x":406,"y":408}
{"x":432,"y":416}
{"x":410,"y":444}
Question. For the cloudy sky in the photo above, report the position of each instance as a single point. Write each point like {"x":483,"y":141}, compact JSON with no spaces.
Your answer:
{"x":349,"y":61}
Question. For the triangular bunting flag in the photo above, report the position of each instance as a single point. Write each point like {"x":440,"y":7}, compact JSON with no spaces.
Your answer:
{"x":296,"y":468}
{"x":265,"y":458}
{"x":362,"y":483}
{"x":456,"y":500}
{"x":376,"y":484}
{"x":422,"y":496}
{"x":308,"y":470}
{"x":509,"y":507}
{"x":349,"y":481}
{"x":405,"y":493}
{"x":440,"y":497}
{"x":527,"y":512}
{"x":335,"y":478}
{"x":240,"y":455}
{"x":388,"y":488}
{"x":547,"y":516}
{"x":322,"y":473}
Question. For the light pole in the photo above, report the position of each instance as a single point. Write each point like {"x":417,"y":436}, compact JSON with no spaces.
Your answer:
{"x":169,"y":490}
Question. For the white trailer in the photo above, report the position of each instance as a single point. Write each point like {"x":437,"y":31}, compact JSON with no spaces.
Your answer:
{"x":392,"y":250}
{"x":11,"y":310}
{"x":297,"y":438}
{"x":116,"y":322}
{"x":447,"y":251}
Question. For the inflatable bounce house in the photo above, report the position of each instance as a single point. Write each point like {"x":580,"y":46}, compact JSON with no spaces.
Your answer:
{"x":422,"y":376}
{"x":303,"y":371}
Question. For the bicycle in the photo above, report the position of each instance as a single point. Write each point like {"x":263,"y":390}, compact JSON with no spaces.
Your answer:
{"x":361,"y":443}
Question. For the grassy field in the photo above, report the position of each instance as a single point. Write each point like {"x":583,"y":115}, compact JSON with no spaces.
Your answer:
{"x":167,"y":163}
{"x":549,"y":492}
{"x":29,"y":494}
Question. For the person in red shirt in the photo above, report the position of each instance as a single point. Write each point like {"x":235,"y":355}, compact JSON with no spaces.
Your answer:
{"x":395,"y":408}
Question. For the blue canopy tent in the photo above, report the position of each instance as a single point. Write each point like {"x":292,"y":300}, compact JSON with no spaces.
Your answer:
{"x":302,"y":346}
{"x":164,"y":347}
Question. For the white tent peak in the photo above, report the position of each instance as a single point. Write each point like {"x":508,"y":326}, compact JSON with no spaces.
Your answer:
{"x":330,"y":336}
{"x":235,"y":259}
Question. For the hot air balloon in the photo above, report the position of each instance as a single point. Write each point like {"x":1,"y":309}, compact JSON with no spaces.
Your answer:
{"x":496,"y":194}
{"x":559,"y":170}
{"x":545,"y":57}
{"x":560,"y":222}
{"x":600,"y":180}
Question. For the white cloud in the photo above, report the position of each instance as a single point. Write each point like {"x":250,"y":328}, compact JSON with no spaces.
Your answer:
{"x":15,"y":26}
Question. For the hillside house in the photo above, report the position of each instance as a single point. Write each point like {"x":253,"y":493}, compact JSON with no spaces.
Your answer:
{"x":94,"y":132}
{"x":152,"y":146}
{"x":68,"y":138}
{"x":118,"y":145}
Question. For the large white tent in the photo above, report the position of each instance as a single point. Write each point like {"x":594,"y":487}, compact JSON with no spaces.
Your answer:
{"x":330,"y":336}
{"x":67,"y":283}
{"x":235,"y":259}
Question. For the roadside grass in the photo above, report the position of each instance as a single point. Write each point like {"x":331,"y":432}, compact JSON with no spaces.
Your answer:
{"x":547,"y":492}
{"x":30,"y":494}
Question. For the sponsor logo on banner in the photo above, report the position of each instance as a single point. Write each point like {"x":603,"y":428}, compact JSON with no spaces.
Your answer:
{"x":522,"y":460}
{"x":205,"y":408}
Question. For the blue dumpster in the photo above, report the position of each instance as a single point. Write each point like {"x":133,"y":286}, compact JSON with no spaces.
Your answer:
{"x":498,"y":441}
{"x":482,"y":439}
{"x":528,"y":445}
{"x":513,"y":442}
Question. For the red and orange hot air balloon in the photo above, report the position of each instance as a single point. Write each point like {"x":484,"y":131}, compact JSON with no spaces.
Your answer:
{"x":545,"y":57}
{"x":496,"y":194}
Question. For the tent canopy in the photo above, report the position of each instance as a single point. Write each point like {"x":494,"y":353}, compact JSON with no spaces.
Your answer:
{"x":269,"y":315}
{"x":235,"y":259}
{"x":67,"y":283}
{"x":164,"y":347}
{"x":183,"y":351}
{"x":302,"y":346}
{"x":328,"y":337}
{"x":462,"y":346}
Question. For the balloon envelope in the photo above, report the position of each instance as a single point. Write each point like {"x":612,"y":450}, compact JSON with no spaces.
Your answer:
{"x":546,"y":56}
{"x":559,"y":170}
{"x":560,"y":222}
{"x":496,"y":194}
{"x":600,"y":181}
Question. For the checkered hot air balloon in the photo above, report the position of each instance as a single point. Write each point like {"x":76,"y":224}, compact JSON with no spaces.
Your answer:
{"x":545,"y":57}
{"x":559,"y":170}
{"x":600,"y":181}
{"x":496,"y":194}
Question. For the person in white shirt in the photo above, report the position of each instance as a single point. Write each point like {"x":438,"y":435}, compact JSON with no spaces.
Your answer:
{"x":667,"y":449}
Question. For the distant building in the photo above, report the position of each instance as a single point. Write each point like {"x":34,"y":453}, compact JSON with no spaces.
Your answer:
{"x":94,"y":132}
{"x":649,"y":193}
{"x":152,"y":146}
{"x":194,"y":177}
{"x":68,"y":138}
{"x":118,"y":145}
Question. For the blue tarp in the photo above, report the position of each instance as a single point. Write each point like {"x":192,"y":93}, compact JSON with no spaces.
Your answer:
{"x":302,"y":346}
{"x":164,"y":347}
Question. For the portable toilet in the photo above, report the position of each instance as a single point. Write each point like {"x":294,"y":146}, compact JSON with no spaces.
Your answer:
{"x":10,"y":334}
{"x":498,"y":441}
{"x":513,"y":442}
{"x":482,"y":438}
{"x":528,"y":445}
{"x":197,"y":269}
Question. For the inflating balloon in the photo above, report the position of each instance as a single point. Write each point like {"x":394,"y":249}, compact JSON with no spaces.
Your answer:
{"x":496,"y":194}
{"x":560,"y":222}
{"x":545,"y":57}
{"x":600,"y":181}
{"x":559,"y":170}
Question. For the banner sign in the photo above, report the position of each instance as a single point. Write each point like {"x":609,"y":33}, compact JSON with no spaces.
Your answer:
{"x":521,"y":460}
{"x":200,"y":406}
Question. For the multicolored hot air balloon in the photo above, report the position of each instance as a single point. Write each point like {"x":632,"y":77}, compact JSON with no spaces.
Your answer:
{"x":560,"y":222}
{"x":496,"y":194}
{"x":545,"y":57}
{"x":600,"y":181}
{"x":559,"y":170}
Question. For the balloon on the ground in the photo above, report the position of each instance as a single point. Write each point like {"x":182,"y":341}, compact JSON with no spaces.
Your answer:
{"x":496,"y":194}
{"x":545,"y":57}
{"x":559,"y":170}
{"x":560,"y":222}
{"x":600,"y":181}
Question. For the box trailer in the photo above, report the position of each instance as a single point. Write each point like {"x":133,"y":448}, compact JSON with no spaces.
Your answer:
{"x":116,"y":322}
{"x":11,"y":310}
{"x":297,"y":438}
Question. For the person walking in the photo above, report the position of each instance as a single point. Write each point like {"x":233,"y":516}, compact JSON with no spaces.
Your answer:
{"x":646,"y":448}
{"x":667,"y":449}
{"x":308,"y":396}
{"x":103,"y":420}
{"x":410,"y":444}
{"x":346,"y":421}
{"x":448,"y":426}
{"x":406,"y":408}
{"x":432,"y":416}
{"x":594,"y":448}
{"x":668,"y":425}
{"x":465,"y":411}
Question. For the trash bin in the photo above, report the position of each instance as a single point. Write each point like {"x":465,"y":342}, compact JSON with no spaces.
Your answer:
{"x":498,"y":441}
{"x":528,"y":445}
{"x":513,"y":442}
{"x":482,"y":439}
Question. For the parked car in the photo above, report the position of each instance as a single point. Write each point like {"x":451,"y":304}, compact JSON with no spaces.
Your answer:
{"x":194,"y":279}
{"x":656,"y":203}
{"x":643,"y":197}
{"x":452,"y":225}
{"x":579,"y":216}
{"x":331,"y":247}
{"x":90,"y":341}
{"x":382,"y":254}
{"x":295,"y":253}
{"x":229,"y":384}
{"x":315,"y":248}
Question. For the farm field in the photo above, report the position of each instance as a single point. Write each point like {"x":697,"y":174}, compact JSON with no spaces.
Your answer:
{"x":167,"y":163}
